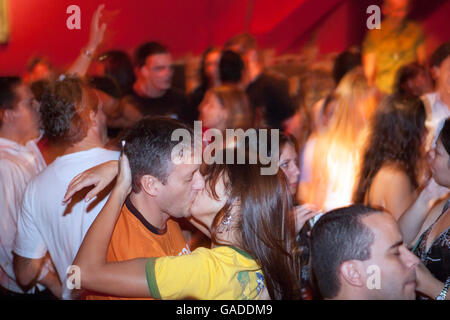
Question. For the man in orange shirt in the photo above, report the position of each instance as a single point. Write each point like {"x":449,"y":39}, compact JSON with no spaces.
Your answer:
{"x":162,"y":190}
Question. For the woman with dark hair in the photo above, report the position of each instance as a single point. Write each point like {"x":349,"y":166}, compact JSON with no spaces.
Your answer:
{"x":209,"y":78}
{"x":248,"y":217}
{"x":413,"y":79}
{"x":289,"y":161}
{"x":394,"y":151}
{"x":427,"y":230}
{"x":117,"y":65}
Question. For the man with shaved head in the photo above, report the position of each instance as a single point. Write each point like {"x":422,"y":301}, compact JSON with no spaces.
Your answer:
{"x":357,"y":253}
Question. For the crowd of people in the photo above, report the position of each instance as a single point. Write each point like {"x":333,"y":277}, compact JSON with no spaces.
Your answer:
{"x":96,"y":205}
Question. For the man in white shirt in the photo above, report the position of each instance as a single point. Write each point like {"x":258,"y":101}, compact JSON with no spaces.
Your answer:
{"x":20,"y":161}
{"x":437,"y":103}
{"x":73,"y":120}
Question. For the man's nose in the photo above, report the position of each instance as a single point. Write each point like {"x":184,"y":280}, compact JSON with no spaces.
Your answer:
{"x":409,"y":258}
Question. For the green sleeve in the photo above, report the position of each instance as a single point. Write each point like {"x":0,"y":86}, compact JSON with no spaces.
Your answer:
{"x":151,"y":279}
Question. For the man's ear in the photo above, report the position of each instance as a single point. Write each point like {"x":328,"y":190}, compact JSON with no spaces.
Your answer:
{"x":7,"y":116}
{"x":151,"y":185}
{"x":352,"y":272}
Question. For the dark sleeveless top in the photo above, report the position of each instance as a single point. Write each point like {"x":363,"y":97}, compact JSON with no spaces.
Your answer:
{"x":437,"y":257}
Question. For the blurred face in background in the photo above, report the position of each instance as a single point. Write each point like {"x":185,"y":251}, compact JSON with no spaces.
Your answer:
{"x":395,"y":10}
{"x":440,"y":164}
{"x":157,"y":72}
{"x":420,"y":84}
{"x":25,"y":115}
{"x":288,"y":164}
{"x":212,"y":113}
{"x":212,"y":66}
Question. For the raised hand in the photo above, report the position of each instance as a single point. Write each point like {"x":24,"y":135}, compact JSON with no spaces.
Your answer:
{"x":302,"y":214}
{"x":124,"y":177}
{"x":433,"y":191}
{"x":99,"y":176}
{"x":97,"y":30}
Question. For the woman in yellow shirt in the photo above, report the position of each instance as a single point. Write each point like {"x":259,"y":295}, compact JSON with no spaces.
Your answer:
{"x":248,"y":217}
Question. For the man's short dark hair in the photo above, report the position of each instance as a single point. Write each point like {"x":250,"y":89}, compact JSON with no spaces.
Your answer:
{"x":148,"y":49}
{"x":339,"y":236}
{"x":345,"y":62}
{"x":117,"y":64}
{"x":7,"y":93}
{"x":440,"y":54}
{"x":107,"y":85}
{"x":39,"y":87}
{"x":64,"y":117}
{"x":8,"y":97}
{"x":231,"y":67}
{"x":149,"y":147}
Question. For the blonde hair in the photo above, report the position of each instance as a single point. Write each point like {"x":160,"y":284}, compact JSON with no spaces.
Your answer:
{"x":338,"y":149}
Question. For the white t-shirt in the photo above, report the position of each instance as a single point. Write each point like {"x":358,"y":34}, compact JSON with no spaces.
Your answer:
{"x":437,"y":112}
{"x":18,"y":165}
{"x":45,"y":224}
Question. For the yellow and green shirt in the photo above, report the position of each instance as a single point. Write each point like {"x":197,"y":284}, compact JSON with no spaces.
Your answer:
{"x":223,"y":273}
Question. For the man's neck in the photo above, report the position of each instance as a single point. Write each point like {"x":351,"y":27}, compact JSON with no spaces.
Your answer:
{"x":14,"y":136}
{"x":91,"y":141}
{"x":147,"y":91}
{"x":351,"y":294}
{"x":149,"y":210}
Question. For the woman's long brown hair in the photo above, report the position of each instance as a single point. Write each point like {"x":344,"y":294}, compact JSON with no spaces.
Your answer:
{"x":396,"y":138}
{"x":265,"y":224}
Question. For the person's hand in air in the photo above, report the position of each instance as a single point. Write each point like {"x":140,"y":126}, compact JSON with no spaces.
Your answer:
{"x":99,"y":176}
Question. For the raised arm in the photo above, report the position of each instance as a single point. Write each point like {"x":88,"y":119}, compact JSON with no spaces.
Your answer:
{"x":369,"y":66}
{"x":427,"y":283}
{"x":81,"y":64}
{"x":99,"y":176}
{"x":126,"y":278}
{"x":411,"y":221}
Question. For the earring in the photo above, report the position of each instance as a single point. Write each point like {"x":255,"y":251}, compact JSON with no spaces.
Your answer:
{"x":225,"y":223}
